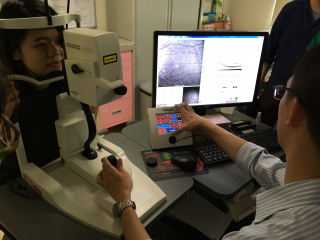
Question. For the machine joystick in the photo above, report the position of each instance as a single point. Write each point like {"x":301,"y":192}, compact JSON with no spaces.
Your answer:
{"x":120,"y":90}
{"x":75,"y":69}
{"x":172,"y":139}
{"x":113,"y":160}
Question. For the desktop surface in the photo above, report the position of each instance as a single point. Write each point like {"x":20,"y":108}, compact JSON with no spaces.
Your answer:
{"x":37,"y":219}
{"x":224,"y":181}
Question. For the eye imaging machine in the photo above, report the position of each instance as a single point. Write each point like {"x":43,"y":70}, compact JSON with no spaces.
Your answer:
{"x":93,"y":70}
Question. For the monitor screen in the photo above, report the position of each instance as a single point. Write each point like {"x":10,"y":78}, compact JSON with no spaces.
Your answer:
{"x":207,"y":69}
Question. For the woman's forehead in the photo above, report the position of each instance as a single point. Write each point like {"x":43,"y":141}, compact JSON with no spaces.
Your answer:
{"x":34,"y":34}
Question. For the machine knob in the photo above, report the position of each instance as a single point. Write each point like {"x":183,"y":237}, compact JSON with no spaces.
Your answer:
{"x":172,"y":139}
{"x":152,"y":162}
{"x":120,"y":90}
{"x":113,"y":160}
{"x":75,"y":69}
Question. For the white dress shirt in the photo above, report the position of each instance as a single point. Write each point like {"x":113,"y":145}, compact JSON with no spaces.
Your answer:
{"x":290,"y":211}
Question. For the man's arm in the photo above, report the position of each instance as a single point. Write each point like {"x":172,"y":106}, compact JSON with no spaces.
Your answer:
{"x":264,"y":71}
{"x":253,"y":160}
{"x":131,"y":225}
{"x":117,"y":182}
{"x":230,"y":143}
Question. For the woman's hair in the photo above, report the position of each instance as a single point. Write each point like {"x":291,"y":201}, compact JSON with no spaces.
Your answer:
{"x":306,"y":81}
{"x":10,"y":39}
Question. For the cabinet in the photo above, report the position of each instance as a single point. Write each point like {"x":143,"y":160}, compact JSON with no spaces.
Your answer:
{"x":120,"y":110}
{"x":136,"y":20}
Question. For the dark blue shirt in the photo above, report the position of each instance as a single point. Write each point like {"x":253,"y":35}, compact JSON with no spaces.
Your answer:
{"x":291,"y":33}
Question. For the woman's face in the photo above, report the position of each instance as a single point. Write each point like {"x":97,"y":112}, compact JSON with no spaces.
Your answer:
{"x":40,"y":52}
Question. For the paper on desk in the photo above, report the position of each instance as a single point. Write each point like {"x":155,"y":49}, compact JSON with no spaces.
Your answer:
{"x":138,"y":195}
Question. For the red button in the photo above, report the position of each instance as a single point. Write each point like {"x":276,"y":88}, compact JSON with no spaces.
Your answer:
{"x":160,"y":121}
{"x":174,"y":125}
{"x":162,"y":130}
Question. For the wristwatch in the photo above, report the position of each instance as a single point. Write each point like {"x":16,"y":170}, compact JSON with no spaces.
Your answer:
{"x":120,"y":206}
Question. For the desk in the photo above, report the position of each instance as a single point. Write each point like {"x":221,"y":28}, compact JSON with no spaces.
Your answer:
{"x":36,"y":219}
{"x":224,"y":180}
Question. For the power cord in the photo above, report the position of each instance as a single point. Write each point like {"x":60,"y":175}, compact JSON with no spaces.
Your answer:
{"x":186,"y":138}
{"x":222,"y":113}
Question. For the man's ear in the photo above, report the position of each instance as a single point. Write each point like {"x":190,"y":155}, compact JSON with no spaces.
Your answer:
{"x":16,"y":55}
{"x":296,"y":113}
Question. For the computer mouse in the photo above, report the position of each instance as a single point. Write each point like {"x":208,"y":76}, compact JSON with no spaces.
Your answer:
{"x":184,"y":161}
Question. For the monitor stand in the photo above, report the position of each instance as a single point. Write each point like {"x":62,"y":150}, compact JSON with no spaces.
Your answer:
{"x":214,"y":116}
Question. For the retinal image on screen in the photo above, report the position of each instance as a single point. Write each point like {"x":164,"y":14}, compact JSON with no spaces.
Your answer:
{"x":206,"y":69}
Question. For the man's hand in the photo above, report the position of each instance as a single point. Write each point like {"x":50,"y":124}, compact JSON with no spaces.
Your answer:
{"x":191,"y":120}
{"x":12,"y":99}
{"x":116,"y":181}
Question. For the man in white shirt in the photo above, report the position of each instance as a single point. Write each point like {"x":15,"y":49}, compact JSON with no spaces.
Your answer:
{"x":290,"y":209}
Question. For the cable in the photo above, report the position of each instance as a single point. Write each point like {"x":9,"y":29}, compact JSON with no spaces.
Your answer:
{"x":222,"y":113}
{"x":186,"y":138}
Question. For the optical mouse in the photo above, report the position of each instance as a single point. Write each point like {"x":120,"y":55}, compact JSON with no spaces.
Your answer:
{"x":185,"y":162}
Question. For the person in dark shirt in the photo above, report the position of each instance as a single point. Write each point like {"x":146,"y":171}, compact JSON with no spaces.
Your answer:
{"x":33,"y":53}
{"x":295,"y":27}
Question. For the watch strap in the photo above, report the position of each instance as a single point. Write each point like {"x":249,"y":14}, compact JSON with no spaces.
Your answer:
{"x":120,"y":206}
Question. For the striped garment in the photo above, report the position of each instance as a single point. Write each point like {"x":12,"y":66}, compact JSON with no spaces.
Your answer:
{"x":289,"y":211}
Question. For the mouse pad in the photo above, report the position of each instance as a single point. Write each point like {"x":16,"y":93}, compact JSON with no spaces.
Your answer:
{"x":167,"y":170}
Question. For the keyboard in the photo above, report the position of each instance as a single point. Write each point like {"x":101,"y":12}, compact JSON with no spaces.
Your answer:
{"x":211,"y":153}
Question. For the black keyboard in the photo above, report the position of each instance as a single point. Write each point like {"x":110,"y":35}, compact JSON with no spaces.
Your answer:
{"x":211,"y":153}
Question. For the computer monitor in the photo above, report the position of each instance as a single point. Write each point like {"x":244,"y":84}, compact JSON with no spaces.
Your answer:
{"x":207,"y":69}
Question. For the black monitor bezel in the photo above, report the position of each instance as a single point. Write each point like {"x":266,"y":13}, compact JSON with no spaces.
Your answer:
{"x":208,"y":33}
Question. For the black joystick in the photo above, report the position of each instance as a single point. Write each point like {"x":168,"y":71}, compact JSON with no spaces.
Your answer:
{"x":152,"y":162}
{"x":120,"y":90}
{"x":75,"y":69}
{"x":113,"y":160}
{"x":172,"y":139}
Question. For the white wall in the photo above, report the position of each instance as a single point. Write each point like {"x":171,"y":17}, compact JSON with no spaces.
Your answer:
{"x":250,"y":15}
{"x":277,"y":8}
{"x":101,"y":14}
{"x":206,"y":5}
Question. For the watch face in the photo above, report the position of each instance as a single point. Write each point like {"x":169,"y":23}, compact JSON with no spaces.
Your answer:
{"x":116,"y":211}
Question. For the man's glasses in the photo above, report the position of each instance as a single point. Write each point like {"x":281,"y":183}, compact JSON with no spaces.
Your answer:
{"x":9,"y":136}
{"x":22,"y":191}
{"x":279,"y":91}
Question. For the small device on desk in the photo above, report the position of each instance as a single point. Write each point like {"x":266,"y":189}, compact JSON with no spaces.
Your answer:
{"x":184,"y":160}
{"x":163,"y":121}
{"x":243,"y":125}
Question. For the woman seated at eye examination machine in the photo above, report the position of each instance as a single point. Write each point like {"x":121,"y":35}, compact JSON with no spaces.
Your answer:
{"x":34,"y":53}
{"x":290,"y":208}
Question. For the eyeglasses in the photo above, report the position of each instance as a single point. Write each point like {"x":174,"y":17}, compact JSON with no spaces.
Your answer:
{"x":279,"y":91}
{"x":22,"y":191}
{"x":9,"y":136}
